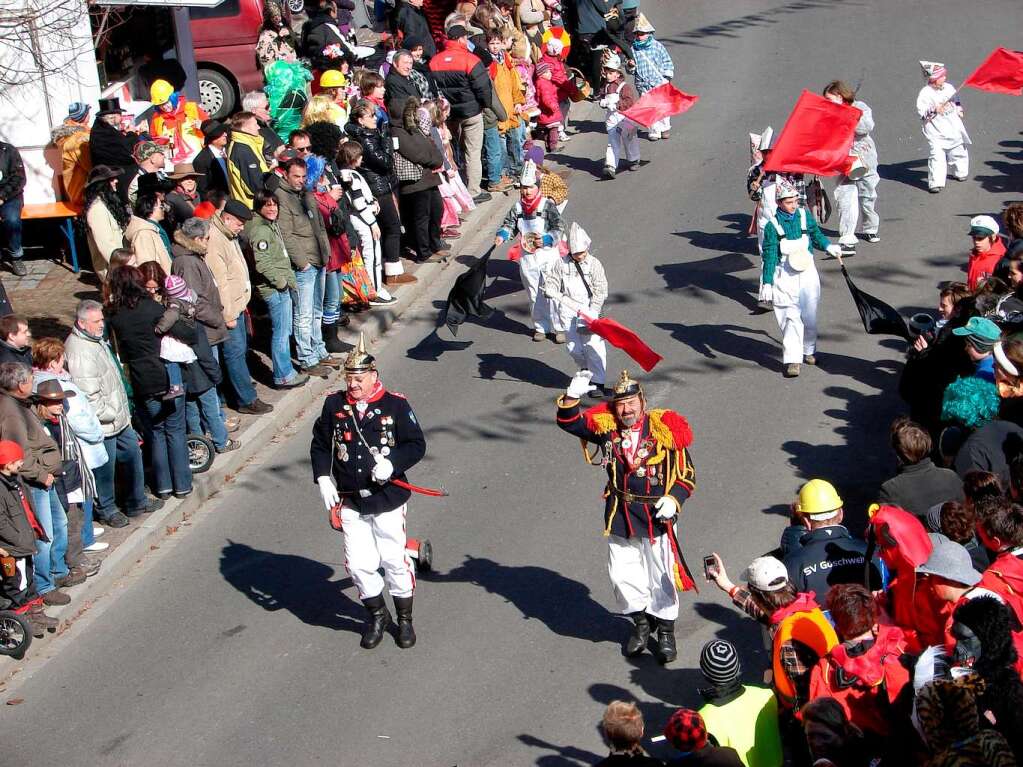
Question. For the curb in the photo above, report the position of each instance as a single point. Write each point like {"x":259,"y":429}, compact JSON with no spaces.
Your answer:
{"x":289,"y":408}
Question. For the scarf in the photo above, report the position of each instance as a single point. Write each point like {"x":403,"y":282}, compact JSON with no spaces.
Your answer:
{"x":642,"y":45}
{"x":71,"y":450}
{"x":803,"y":603}
{"x":529,"y":205}
{"x":377,"y":393}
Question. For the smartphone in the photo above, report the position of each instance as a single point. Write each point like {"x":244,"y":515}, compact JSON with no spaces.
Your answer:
{"x":710,"y":567}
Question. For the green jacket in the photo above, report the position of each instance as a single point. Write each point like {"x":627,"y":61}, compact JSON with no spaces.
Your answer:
{"x":273,"y":270}
{"x":793,"y":231}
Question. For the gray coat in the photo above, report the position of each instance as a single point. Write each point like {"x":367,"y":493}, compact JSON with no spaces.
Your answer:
{"x":302,"y":228}
{"x":190,"y":264}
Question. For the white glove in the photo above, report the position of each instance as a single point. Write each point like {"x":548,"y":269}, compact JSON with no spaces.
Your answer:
{"x":667,"y":507}
{"x":579,"y":385}
{"x":834,"y":250}
{"x":382,"y":470}
{"x":766,"y":293}
{"x":328,"y":492}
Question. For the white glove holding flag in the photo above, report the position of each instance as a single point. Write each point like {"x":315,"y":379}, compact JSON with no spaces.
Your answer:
{"x":766,"y":293}
{"x":667,"y":507}
{"x":382,"y":470}
{"x":834,"y":250}
{"x":579,"y":385}
{"x":328,"y":492}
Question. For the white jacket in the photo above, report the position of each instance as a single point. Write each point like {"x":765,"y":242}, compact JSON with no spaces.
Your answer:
{"x":944,"y":130}
{"x":96,"y":373}
{"x":563,"y":277}
{"x":81,"y":418}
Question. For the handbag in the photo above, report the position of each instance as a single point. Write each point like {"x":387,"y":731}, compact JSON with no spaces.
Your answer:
{"x":405,"y":169}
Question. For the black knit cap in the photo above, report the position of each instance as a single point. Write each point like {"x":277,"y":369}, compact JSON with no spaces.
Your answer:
{"x":719,"y":662}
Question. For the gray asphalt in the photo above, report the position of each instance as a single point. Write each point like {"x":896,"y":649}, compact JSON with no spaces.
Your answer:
{"x":237,"y":642}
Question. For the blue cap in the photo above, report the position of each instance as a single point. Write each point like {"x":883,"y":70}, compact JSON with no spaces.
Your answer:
{"x":980,"y":330}
{"x":78,"y":111}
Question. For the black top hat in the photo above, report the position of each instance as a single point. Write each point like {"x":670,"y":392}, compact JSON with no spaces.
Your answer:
{"x":212,"y":129}
{"x":109,"y":107}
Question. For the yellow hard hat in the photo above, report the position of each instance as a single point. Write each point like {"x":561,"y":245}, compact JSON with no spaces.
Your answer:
{"x":818,"y":497}
{"x":332,"y":79}
{"x":160,"y":92}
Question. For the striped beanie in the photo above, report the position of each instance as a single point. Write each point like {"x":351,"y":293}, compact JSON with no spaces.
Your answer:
{"x":719,"y":662}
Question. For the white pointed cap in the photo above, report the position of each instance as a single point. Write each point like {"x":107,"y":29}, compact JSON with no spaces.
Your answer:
{"x":783,"y":189}
{"x":578,"y":240}
{"x":612,"y":61}
{"x":528,"y":177}
{"x":766,"y":138}
{"x":932,"y":69}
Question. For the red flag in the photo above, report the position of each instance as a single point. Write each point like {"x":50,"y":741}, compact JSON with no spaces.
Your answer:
{"x":1001,"y":72}
{"x":663,"y":101}
{"x":622,"y":338}
{"x":816,"y":138}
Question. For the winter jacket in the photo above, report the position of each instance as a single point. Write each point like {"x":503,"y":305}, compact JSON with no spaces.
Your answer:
{"x":73,"y":141}
{"x":19,"y":424}
{"x":271,"y":141}
{"x":226,"y":261}
{"x":10,"y":353}
{"x":420,"y":149}
{"x":146,"y":241}
{"x":190,"y":264}
{"x":214,"y":176}
{"x":826,"y":557}
{"x":12,"y":172}
{"x":462,"y":79}
{"x":412,"y":23}
{"x":105,"y":236}
{"x":245,"y":166}
{"x":562,"y":80}
{"x":982,"y":265}
{"x":590,"y":15}
{"x":920,"y":486}
{"x":16,"y":533}
{"x":398,"y":90}
{"x":109,"y":146}
{"x":97,"y":373}
{"x":377,"y":159}
{"x":181,"y":207}
{"x":508,"y":91}
{"x":988,"y":448}
{"x":653,"y":65}
{"x":302,"y":229}
{"x":272,"y":266}
{"x":322,"y":30}
{"x":547,"y":98}
{"x":139,"y":347}
{"x":82,"y":418}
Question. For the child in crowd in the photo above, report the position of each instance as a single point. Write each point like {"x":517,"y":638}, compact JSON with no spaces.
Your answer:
{"x":564,"y":83}
{"x":364,"y":209}
{"x":520,"y":56}
{"x":622,"y":727}
{"x":508,"y":89}
{"x":622,"y":138}
{"x":986,"y":252}
{"x":453,"y":190}
{"x":550,"y":113}
{"x":179,"y":305}
{"x":371,"y":86}
{"x":653,"y":67}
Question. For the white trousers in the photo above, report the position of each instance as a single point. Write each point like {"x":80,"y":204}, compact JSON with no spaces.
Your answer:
{"x":796,"y":295}
{"x":958,"y":157}
{"x":371,"y":253}
{"x":623,"y":139}
{"x":659,"y":127}
{"x":588,"y":350}
{"x":641,"y":575}
{"x":852,"y":198}
{"x":531,"y":268}
{"x":375,"y":540}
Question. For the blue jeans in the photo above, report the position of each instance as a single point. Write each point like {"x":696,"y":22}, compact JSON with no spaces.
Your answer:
{"x":87,"y":536}
{"x":331,"y":298}
{"x":48,"y":561}
{"x":513,"y":138}
{"x":308,"y":315}
{"x":122,"y":449}
{"x":493,"y":151}
{"x":10,"y":223}
{"x":164,"y":421}
{"x":203,"y":415}
{"x":280,"y":306}
{"x":233,"y":352}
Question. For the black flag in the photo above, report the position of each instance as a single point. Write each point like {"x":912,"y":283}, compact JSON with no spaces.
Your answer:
{"x":878,"y":317}
{"x":466,"y":297}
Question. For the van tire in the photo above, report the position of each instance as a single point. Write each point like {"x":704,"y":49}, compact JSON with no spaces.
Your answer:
{"x":217,"y":94}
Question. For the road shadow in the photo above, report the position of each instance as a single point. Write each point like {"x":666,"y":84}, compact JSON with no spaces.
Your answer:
{"x":433,"y":345}
{"x":301,"y":586}
{"x":525,"y":369}
{"x":713,"y":275}
{"x":563,"y":605}
{"x":912,"y":173}
{"x":733,"y":29}
{"x":563,"y":756}
{"x":730,"y":340}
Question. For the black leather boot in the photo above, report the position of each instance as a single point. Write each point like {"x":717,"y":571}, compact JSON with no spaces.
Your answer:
{"x":331,"y":341}
{"x":380,"y":621}
{"x":406,"y":635}
{"x":665,"y":650}
{"x":640,"y":635}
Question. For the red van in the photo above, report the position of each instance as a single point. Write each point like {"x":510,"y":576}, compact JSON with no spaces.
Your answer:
{"x":224,"y":38}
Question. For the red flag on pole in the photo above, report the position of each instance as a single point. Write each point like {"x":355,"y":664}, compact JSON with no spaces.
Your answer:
{"x":816,"y":138}
{"x":622,"y":338}
{"x":663,"y":101}
{"x":1001,"y":72}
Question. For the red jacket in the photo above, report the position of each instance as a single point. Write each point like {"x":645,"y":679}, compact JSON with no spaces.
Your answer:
{"x":1004,"y":577}
{"x":562,"y":80}
{"x":982,"y":265}
{"x":866,"y":685}
{"x":547,"y":99}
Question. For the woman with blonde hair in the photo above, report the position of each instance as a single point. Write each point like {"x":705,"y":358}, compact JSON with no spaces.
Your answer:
{"x":323,"y":108}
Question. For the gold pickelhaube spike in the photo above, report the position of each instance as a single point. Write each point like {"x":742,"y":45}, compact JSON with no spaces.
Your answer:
{"x":626,"y":387}
{"x":358,"y":359}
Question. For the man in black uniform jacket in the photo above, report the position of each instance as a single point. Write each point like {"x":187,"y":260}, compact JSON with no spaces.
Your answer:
{"x":365,"y":437}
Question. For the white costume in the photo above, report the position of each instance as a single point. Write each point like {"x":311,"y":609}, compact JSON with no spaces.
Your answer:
{"x":375,"y":540}
{"x":584,"y":283}
{"x":622,"y":133}
{"x":851,"y":196}
{"x":943,"y":127}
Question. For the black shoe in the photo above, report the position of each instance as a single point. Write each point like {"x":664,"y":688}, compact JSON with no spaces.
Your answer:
{"x":380,"y":621}
{"x":184,"y":494}
{"x":406,"y":635}
{"x":318,"y":370}
{"x":344,"y":321}
{"x":18,"y":268}
{"x":330,"y":339}
{"x":75,"y":576}
{"x":256,"y":407}
{"x":665,"y":649}
{"x":640,"y":635}
{"x":482,"y":197}
{"x":117,"y":519}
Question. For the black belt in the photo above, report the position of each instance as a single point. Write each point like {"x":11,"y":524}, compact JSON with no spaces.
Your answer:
{"x":633,"y":498}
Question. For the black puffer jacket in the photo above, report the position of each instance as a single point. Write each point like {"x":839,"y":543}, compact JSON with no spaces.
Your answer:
{"x":377,"y":158}
{"x":12,"y":172}
{"x":139,"y":347}
{"x":16,"y":533}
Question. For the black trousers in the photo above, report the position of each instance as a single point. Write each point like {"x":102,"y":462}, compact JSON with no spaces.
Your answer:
{"x":422,"y":213}
{"x":390,"y":229}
